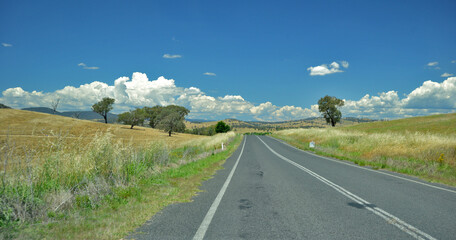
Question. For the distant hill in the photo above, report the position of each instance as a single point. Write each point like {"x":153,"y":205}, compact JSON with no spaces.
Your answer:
{"x":199,"y":120}
{"x":3,"y":106}
{"x":85,"y":115}
{"x":41,"y":110}
{"x":256,"y":126}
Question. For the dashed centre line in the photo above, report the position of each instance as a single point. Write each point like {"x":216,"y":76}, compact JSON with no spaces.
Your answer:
{"x":391,"y":219}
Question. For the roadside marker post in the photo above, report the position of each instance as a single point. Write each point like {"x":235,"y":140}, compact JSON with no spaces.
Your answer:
{"x":312,"y":144}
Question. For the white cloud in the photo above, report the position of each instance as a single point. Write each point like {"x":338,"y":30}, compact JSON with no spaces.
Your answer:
{"x":433,"y":95}
{"x":432,"y":64}
{"x":7,"y":44}
{"x":84,"y":66}
{"x":171,"y":56}
{"x":345,"y":64}
{"x":324,"y":69}
{"x":429,"y":98}
{"x":138,"y":91}
{"x":209,"y":74}
{"x":446,"y":75}
{"x":454,"y":61}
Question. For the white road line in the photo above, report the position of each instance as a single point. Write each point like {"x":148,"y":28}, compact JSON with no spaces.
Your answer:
{"x":411,"y":230}
{"x":199,"y":235}
{"x":367,"y":169}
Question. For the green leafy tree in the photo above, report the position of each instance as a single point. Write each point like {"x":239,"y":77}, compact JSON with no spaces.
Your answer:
{"x":222,"y":127}
{"x":171,"y":119}
{"x":103,"y":107}
{"x":132,"y":118}
{"x":328,"y":108}
{"x":152,"y":113}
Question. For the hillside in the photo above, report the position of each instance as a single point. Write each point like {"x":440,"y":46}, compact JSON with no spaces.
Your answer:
{"x":440,"y":124}
{"x":419,"y":146}
{"x":34,"y":130}
{"x":86,"y":115}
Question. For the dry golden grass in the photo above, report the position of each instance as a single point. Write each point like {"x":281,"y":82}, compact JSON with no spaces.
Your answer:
{"x":32,"y":130}
{"x":418,"y":146}
{"x":213,"y":142}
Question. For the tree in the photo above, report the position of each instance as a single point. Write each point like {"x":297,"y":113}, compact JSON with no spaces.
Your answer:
{"x":152,"y":114}
{"x":103,"y":107}
{"x":54,"y":105}
{"x":76,"y":115}
{"x":132,"y":118}
{"x":171,"y":119}
{"x":328,"y":108}
{"x":222,"y":127}
{"x":3,"y":106}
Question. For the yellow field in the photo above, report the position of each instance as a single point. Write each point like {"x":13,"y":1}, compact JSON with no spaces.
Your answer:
{"x":31,"y":130}
{"x":421,"y":146}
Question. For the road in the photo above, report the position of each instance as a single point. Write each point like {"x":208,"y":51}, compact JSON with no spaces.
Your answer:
{"x":271,"y":190}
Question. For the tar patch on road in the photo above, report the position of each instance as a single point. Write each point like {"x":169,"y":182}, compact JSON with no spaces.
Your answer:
{"x":245,"y":204}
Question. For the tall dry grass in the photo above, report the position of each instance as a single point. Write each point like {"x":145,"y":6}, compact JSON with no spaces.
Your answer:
{"x":71,"y":177}
{"x":214,"y":142}
{"x":432,"y":156}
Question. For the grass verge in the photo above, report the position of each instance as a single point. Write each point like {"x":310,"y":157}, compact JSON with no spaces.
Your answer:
{"x":109,"y":199}
{"x":429,"y":156}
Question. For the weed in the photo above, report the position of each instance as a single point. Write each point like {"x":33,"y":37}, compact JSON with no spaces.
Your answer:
{"x":441,"y":159}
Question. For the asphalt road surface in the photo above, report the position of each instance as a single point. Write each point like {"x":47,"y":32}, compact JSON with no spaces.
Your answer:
{"x":271,"y":190}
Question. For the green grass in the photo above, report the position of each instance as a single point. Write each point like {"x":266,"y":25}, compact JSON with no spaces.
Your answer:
{"x":105,"y":191}
{"x":436,"y":124}
{"x":416,"y":146}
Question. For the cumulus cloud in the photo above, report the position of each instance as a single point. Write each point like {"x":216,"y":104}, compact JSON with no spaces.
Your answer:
{"x":138,"y":91}
{"x":84,"y":66}
{"x":171,"y":56}
{"x":345,"y":64}
{"x":7,"y":44}
{"x":209,"y":74}
{"x":325,"y":69}
{"x":432,"y":64}
{"x":446,"y":75}
{"x":430,"y":98}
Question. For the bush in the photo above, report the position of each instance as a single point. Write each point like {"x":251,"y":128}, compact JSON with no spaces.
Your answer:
{"x":222,"y":127}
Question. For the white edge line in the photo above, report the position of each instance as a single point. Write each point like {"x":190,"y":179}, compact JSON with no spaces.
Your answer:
{"x":407,"y":228}
{"x":199,"y":235}
{"x":367,"y":169}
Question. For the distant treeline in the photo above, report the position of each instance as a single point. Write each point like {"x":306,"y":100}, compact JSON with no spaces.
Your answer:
{"x":220,"y":127}
{"x":3,"y":106}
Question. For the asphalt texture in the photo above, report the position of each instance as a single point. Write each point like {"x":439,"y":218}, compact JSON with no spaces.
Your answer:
{"x":312,"y":198}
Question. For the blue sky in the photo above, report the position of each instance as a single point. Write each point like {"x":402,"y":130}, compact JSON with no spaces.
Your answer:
{"x":260,"y":51}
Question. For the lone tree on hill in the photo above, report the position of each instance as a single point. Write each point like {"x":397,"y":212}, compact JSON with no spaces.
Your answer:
{"x":171,"y":119}
{"x":222,"y":127}
{"x":132,"y":118}
{"x":328,"y":108}
{"x":103,"y":107}
{"x":55,"y":105}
